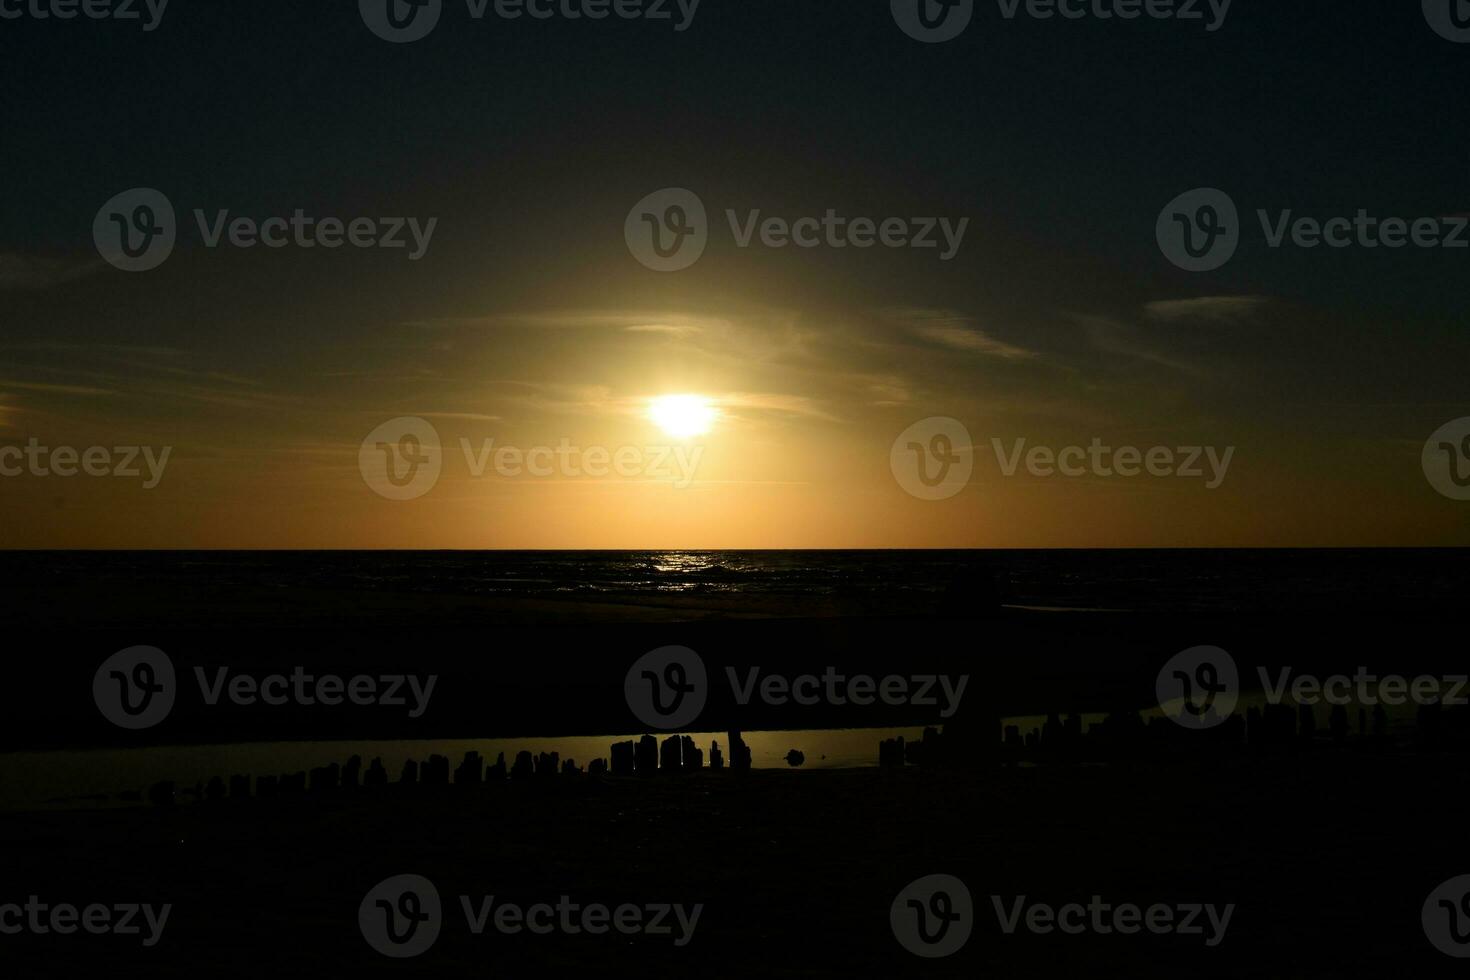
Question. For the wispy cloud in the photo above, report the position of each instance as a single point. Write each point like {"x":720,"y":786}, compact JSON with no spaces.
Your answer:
{"x":19,"y":271}
{"x":776,"y":404}
{"x":632,"y":321}
{"x":1113,"y":336}
{"x":957,"y":332}
{"x":54,"y":389}
{"x":457,"y":416}
{"x":1216,"y":308}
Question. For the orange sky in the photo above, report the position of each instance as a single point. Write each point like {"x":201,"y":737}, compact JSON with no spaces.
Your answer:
{"x":808,"y":408}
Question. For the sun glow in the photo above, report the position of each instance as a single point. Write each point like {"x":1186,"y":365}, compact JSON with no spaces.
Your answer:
{"x":682,"y":416}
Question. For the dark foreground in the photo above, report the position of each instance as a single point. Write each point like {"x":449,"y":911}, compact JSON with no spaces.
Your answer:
{"x":1327,"y":857}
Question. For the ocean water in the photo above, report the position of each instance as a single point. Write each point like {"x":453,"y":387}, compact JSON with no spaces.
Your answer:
{"x":1134,"y":580}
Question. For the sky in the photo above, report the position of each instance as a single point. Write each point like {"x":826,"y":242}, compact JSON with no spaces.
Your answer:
{"x":1050,"y":318}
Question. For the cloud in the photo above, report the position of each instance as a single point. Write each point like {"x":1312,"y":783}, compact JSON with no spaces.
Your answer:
{"x":458,"y":416}
{"x":955,"y":331}
{"x":776,"y":404}
{"x":1214,"y":308}
{"x":54,"y":389}
{"x":19,"y":271}
{"x":884,"y":390}
{"x":1112,"y":336}
{"x":631,"y":321}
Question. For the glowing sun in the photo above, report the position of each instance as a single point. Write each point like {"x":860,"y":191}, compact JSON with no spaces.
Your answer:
{"x":682,"y":416}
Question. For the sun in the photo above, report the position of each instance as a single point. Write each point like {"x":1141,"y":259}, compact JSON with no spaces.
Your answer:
{"x":682,"y":416}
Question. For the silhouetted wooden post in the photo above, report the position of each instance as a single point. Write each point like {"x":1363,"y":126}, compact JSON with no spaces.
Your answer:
{"x":739,"y":752}
{"x":669,"y":759}
{"x":622,"y":758}
{"x":647,"y":755}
